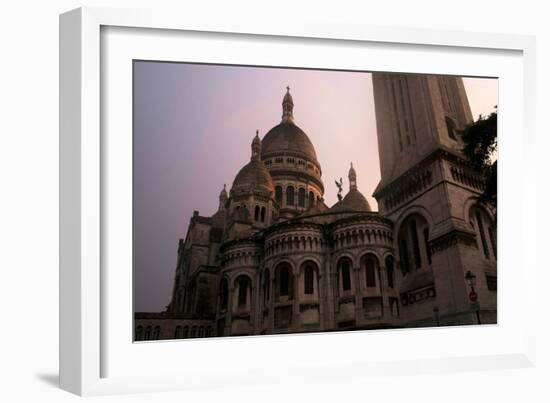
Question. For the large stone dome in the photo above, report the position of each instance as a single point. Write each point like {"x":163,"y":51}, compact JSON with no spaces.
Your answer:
{"x":290,"y":158}
{"x":287,"y":138}
{"x":254,"y":176}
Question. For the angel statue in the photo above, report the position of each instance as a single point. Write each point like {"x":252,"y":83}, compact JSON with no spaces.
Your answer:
{"x":339,"y":185}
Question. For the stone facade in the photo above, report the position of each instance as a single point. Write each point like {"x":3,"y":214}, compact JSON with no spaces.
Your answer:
{"x":276,"y":259}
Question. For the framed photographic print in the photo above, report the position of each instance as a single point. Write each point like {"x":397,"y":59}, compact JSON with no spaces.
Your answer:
{"x":240,"y":203}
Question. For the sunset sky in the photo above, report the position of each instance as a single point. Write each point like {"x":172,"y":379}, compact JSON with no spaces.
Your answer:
{"x":193,"y":125}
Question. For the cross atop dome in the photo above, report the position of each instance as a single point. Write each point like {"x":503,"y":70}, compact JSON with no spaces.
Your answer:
{"x":288,"y":106}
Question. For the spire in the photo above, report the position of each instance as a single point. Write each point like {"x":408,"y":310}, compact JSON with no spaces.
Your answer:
{"x":352,"y":178}
{"x":288,"y":106}
{"x":256,"y":148}
{"x":223,"y":198}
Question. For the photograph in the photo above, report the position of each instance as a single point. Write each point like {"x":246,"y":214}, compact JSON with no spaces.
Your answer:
{"x":278,"y":200}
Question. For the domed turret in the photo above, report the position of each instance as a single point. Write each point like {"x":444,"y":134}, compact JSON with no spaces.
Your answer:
{"x":288,"y":107}
{"x":354,"y":200}
{"x":223,"y":198}
{"x":251,"y":204}
{"x":254,"y":176}
{"x":292,"y":162}
{"x":256,"y":148}
{"x":218,"y":219}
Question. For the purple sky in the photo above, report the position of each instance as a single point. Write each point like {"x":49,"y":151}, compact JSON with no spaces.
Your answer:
{"x":193,"y":125}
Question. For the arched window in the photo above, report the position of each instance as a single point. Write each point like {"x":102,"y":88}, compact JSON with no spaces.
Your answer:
{"x":156,"y":333}
{"x":371,"y":263}
{"x":139,"y":333}
{"x":411,"y":254}
{"x":344,"y":269}
{"x":257,"y":213}
{"x":389,"y":271}
{"x":290,"y":196}
{"x":485,"y":231}
{"x":201,"y":331}
{"x":311,"y":199}
{"x":262,"y":218}
{"x":148,"y":332}
{"x":283,"y":279}
{"x":242,"y":282}
{"x":308,"y":278}
{"x":279,"y":195}
{"x":451,"y":128}
{"x":302,"y":197}
{"x":404,"y":255}
{"x":426,"y":233}
{"x":177,"y":333}
{"x":415,"y":244}
{"x":193,"y":332}
{"x":224,"y":293}
{"x":185,"y":332}
{"x":209,"y":331}
{"x":493,"y":240}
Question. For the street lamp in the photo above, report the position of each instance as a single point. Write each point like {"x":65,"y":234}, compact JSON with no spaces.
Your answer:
{"x":471,"y":281}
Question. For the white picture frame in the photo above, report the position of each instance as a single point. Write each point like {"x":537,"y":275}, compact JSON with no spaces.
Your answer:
{"x":85,"y":311}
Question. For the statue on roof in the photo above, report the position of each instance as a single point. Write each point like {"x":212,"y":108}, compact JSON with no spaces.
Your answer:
{"x":340,"y":186}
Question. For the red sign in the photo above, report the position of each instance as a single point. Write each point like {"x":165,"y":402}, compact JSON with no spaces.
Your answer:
{"x":473,"y":296}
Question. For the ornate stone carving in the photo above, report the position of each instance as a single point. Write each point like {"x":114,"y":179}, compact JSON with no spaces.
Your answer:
{"x":452,"y":238}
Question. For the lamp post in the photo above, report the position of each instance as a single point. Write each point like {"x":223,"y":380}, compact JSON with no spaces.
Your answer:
{"x":471,"y":281}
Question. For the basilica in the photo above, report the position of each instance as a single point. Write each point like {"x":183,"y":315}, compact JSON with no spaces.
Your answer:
{"x":275,"y":258}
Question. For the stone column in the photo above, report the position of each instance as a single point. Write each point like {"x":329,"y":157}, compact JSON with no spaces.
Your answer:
{"x":255,"y":307}
{"x":296,"y":299}
{"x":321,"y":296}
{"x":383,"y":288}
{"x":335,"y":295}
{"x":229,"y":311}
{"x":271,"y":314}
{"x":358,"y":295}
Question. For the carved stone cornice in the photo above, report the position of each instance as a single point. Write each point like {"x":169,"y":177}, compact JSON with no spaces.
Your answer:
{"x":294,"y":173}
{"x":292,"y":224}
{"x":468,"y":177}
{"x":370,"y":217}
{"x":452,"y":238}
{"x":413,"y":296}
{"x":413,"y":180}
{"x":250,"y":242}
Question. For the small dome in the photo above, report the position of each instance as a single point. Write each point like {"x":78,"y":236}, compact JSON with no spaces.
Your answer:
{"x":287,"y":137}
{"x":355,"y":200}
{"x":254,"y":176}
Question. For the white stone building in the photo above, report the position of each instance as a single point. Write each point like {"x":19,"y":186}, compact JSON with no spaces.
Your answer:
{"x":275,"y":258}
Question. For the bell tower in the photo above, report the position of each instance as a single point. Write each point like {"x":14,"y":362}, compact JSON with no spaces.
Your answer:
{"x":430,"y":193}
